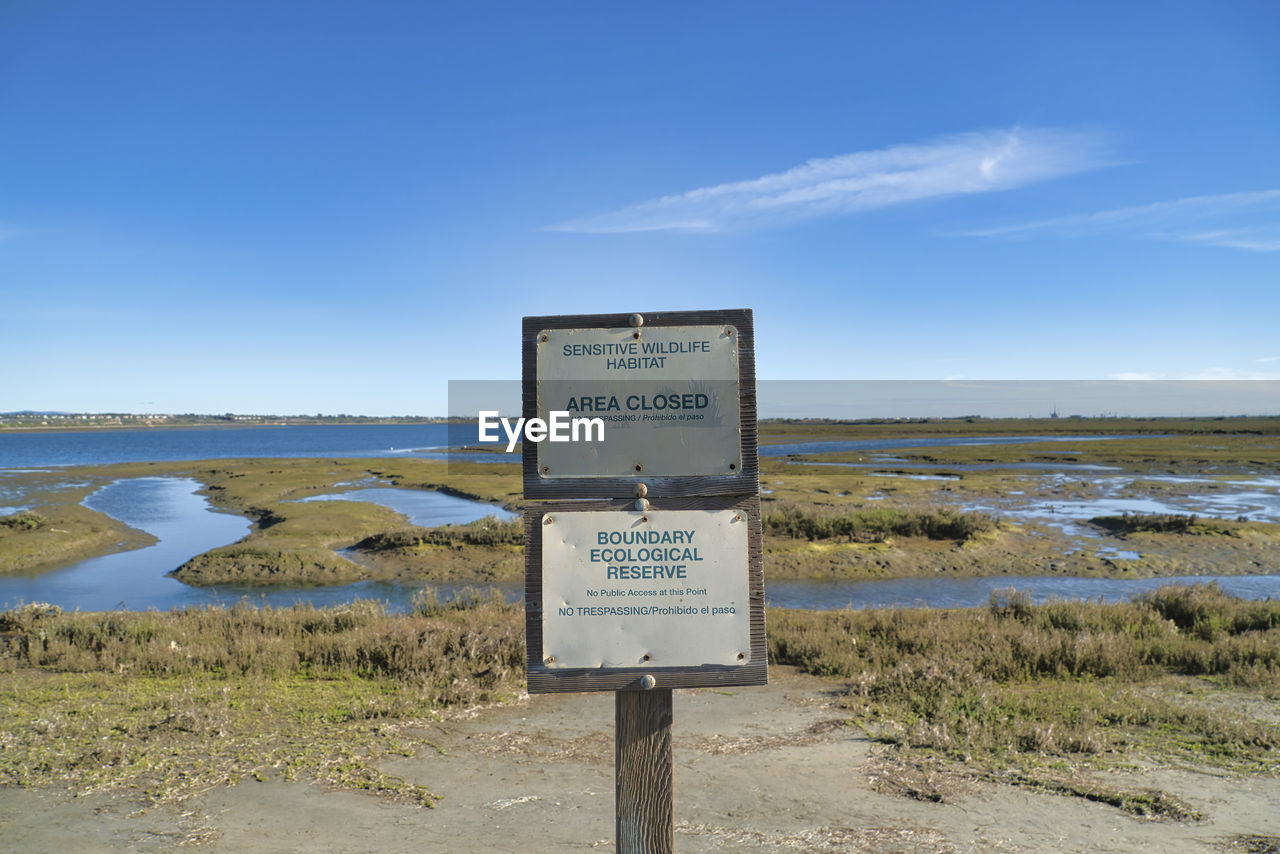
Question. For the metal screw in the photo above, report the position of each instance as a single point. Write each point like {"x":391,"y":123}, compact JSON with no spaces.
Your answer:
{"x":636,"y":335}
{"x":639,"y":467}
{"x":642,"y":504}
{"x":545,"y":338}
{"x":645,"y":657}
{"x":742,"y":656}
{"x":546,"y":520}
{"x":641,"y":490}
{"x":546,"y":469}
{"x":728,"y":332}
{"x":648,"y":682}
{"x":732,"y":466}
{"x":551,"y":659}
{"x":637,"y":320}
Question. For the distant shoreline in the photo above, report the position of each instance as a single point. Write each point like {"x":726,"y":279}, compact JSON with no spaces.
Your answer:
{"x":219,"y":423}
{"x":780,"y":427}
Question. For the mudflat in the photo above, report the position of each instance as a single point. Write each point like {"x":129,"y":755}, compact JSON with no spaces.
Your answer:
{"x":776,"y":768}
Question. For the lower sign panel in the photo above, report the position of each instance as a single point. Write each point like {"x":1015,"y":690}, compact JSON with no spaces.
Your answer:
{"x":616,"y":594}
{"x":652,"y":588}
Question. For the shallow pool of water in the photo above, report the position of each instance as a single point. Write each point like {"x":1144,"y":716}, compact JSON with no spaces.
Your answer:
{"x":185,"y":525}
{"x":975,"y":592}
{"x":166,"y":507}
{"x":427,"y":508}
{"x":1256,"y":500}
{"x":834,"y":595}
{"x":907,"y":476}
{"x":951,"y":467}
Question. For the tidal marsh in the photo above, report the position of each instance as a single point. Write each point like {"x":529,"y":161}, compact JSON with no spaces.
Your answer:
{"x":166,"y":705}
{"x":893,"y":526}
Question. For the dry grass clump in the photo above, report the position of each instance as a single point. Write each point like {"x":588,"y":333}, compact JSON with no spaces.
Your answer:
{"x":875,"y":525}
{"x":1019,"y":685}
{"x":171,"y":703}
{"x":1253,"y":844}
{"x":1190,"y":630}
{"x":441,"y":646}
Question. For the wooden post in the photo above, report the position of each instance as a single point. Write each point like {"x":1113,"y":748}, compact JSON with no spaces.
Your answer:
{"x":643,"y":772}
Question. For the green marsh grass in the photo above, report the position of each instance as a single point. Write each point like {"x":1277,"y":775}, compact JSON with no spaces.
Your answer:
{"x":25,"y":520}
{"x":791,"y":430}
{"x":875,"y":525}
{"x":489,"y":531}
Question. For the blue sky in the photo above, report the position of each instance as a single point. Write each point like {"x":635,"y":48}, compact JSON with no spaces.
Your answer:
{"x":337,"y":207}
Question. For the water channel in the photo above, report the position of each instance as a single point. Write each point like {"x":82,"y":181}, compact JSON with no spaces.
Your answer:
{"x":185,"y":525}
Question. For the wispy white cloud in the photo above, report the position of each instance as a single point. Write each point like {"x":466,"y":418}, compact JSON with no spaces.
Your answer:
{"x":977,"y":162}
{"x":1249,"y":221}
{"x":1264,"y":239}
{"x":1206,"y":374}
{"x":1266,"y":359}
{"x":1232,"y":374}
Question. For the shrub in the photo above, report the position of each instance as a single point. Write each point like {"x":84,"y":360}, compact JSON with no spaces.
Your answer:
{"x":1161,"y":523}
{"x":874,"y":525}
{"x":489,"y":531}
{"x":25,"y":520}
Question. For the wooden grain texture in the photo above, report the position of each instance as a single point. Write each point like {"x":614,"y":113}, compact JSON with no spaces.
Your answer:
{"x":546,"y":680}
{"x":746,"y":482}
{"x":643,"y":772}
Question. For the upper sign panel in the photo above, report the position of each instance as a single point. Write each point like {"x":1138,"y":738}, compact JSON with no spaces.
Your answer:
{"x":673,"y":392}
{"x":668,"y":397}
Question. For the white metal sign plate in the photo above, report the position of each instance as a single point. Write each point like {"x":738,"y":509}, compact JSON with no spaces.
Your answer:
{"x":668,"y":396}
{"x":653,"y":588}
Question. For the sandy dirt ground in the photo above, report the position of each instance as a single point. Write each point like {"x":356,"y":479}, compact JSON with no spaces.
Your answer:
{"x":756,"y":769}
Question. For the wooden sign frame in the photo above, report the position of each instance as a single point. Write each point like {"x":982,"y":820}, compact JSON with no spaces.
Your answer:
{"x":547,"y":680}
{"x":745,"y":482}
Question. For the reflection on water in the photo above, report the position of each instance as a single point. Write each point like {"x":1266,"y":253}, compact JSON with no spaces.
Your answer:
{"x":911,"y":464}
{"x":1117,"y":554}
{"x":1255,"y":500}
{"x":185,"y":525}
{"x":165,"y":507}
{"x":423,"y":507}
{"x":808,"y":595}
{"x":975,"y":592}
{"x":907,"y":476}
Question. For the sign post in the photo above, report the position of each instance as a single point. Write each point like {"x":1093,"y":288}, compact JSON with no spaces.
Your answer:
{"x":651,"y":578}
{"x":643,"y":793}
